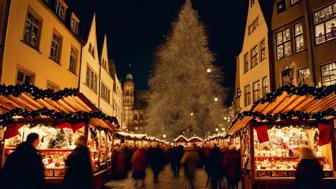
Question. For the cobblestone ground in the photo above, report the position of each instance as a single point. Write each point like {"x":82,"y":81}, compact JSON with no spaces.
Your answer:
{"x":166,"y":181}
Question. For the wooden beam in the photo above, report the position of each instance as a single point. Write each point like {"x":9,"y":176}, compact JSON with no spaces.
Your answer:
{"x":5,"y":99}
{"x":85,"y":102}
{"x":294,"y":104}
{"x":31,"y":100}
{"x":65,"y":106}
{"x":56,"y":105}
{"x":285,"y":104}
{"x":46,"y":105}
{"x":73,"y":104}
{"x":277,"y":102}
{"x":319,"y":103}
{"x":78,"y":101}
{"x":261,"y":107}
{"x":304,"y":104}
{"x":21,"y":102}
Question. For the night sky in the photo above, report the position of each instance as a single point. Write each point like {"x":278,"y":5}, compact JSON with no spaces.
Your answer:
{"x":136,"y":28}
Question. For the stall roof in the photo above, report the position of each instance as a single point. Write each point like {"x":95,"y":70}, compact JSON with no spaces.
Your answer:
{"x":181,"y":138}
{"x":32,"y":99}
{"x":195,"y":139}
{"x":291,"y":102}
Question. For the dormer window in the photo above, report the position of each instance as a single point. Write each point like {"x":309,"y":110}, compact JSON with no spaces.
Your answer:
{"x":61,"y":8}
{"x":281,"y":6}
{"x":91,"y":50}
{"x":74,"y":23}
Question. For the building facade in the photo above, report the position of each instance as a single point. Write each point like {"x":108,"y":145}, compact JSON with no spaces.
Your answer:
{"x":117,"y":95}
{"x":128,"y":101}
{"x":304,"y":33}
{"x":253,"y":62}
{"x":45,"y":35}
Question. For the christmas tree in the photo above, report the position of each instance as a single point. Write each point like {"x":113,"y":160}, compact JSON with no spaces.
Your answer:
{"x":186,"y":94}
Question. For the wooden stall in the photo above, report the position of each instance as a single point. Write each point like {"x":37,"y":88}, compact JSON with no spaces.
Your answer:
{"x":59,"y":118}
{"x":274,"y":129}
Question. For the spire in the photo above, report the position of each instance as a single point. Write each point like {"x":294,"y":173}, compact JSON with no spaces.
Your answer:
{"x":129,"y":75}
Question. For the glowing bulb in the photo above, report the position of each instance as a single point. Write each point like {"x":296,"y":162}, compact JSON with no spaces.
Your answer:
{"x":209,"y":70}
{"x":216,"y":99}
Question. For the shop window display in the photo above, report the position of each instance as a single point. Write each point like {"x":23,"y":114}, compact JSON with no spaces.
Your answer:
{"x":56,"y":144}
{"x":279,"y":156}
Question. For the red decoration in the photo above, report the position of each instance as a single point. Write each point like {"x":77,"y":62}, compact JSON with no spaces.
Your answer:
{"x":12,"y":130}
{"x":77,"y":126}
{"x":324,"y":134}
{"x":63,"y":125}
{"x":262,"y":133}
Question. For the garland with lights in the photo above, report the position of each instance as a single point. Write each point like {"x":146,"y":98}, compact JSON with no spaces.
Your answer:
{"x":37,"y":93}
{"x":286,"y":116}
{"x":73,"y":117}
{"x":292,"y":90}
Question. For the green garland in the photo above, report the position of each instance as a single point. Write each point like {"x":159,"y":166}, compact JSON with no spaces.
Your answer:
{"x":286,"y":116}
{"x":37,"y":93}
{"x":73,"y":117}
{"x":292,"y":90}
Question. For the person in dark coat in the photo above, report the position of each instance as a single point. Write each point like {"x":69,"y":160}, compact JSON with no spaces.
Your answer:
{"x":215,"y":167}
{"x":191,"y":161}
{"x":139,"y":165}
{"x":78,"y":172}
{"x":309,"y":173}
{"x":156,"y":161}
{"x":24,"y":167}
{"x":233,"y":164}
{"x":176,"y":154}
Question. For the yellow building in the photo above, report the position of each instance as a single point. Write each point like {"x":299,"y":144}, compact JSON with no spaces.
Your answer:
{"x":253,"y":62}
{"x":90,"y":66}
{"x":41,"y":45}
{"x":106,"y":83}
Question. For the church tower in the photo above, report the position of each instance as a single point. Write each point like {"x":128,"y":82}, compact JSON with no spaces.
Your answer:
{"x":128,"y":100}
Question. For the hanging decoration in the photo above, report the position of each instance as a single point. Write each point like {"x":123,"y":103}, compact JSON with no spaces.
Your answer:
{"x":262,"y":133}
{"x":12,"y":131}
{"x":37,"y":93}
{"x":72,"y":117}
{"x":324,"y":134}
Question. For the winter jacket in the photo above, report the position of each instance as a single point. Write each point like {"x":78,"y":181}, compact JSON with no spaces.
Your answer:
{"x":78,"y":173}
{"x":309,"y":174}
{"x":139,"y":160}
{"x":23,"y":169}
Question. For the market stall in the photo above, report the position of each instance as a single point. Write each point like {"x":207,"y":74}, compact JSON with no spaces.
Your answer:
{"x":181,"y":140}
{"x":59,"y":118}
{"x":274,"y":129}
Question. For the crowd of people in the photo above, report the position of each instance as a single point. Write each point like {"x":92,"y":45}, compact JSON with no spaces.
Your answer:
{"x":219,"y":162}
{"x":24,"y":168}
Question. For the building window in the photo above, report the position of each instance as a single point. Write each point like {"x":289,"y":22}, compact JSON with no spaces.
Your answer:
{"x":325,"y":24}
{"x":73,"y":60}
{"x":247,"y":92}
{"x":254,"y":56}
{"x":303,"y":76}
{"x":252,"y":3}
{"x":328,"y":73}
{"x":61,"y":9}
{"x":25,"y":78}
{"x":253,"y":26}
{"x":91,"y":79}
{"x":105,"y":93}
{"x":294,"y":2}
{"x":264,"y":86}
{"x":91,"y":50}
{"x":256,"y":91}
{"x":74,"y":25}
{"x":287,"y":76}
{"x":52,"y":86}
{"x":262,"y":50}
{"x":32,"y":30}
{"x":238,"y":93}
{"x":56,"y":44}
{"x":298,"y":35}
{"x":283,"y":44}
{"x":281,"y":6}
{"x":246,"y":63}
